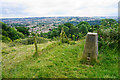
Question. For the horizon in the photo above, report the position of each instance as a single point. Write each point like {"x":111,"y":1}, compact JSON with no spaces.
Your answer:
{"x":54,"y":16}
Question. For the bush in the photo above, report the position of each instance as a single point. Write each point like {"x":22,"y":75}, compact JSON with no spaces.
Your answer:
{"x":73,"y":37}
{"x":23,"y":30}
{"x":4,"y":33}
{"x":6,"y":39}
{"x":41,"y":40}
{"x":107,"y":37}
{"x":54,"y":39}
{"x":21,"y":41}
{"x":9,"y":32}
{"x":83,"y":29}
{"x":63,"y":37}
{"x":80,"y":35}
{"x":21,"y":35}
{"x":29,"y":40}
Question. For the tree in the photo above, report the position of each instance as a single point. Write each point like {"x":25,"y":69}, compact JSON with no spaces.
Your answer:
{"x":49,"y":34}
{"x":69,"y":25}
{"x":92,"y":26}
{"x":33,"y":34}
{"x":4,"y":33}
{"x":24,"y":30}
{"x":86,"y":24}
{"x":108,"y":22}
{"x":41,"y":34}
{"x":66,"y":29}
{"x":73,"y":30}
{"x":80,"y":35}
{"x":59,"y":28}
{"x":4,"y":26}
{"x":13,"y":34}
{"x":83,"y":29}
{"x":54,"y":33}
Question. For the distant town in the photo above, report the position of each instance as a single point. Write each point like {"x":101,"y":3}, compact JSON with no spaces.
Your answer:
{"x":46,"y":24}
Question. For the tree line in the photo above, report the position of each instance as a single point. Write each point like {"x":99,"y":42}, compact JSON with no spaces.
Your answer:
{"x":10,"y":33}
{"x":107,"y":31}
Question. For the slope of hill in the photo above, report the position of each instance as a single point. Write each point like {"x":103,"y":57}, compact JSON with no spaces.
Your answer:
{"x":56,"y":61}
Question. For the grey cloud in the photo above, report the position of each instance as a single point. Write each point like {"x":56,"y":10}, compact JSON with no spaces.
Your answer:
{"x":11,"y":9}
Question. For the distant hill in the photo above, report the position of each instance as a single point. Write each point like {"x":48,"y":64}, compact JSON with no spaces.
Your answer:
{"x":55,"y":20}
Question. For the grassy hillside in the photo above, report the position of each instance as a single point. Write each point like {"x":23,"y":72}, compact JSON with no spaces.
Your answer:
{"x":56,"y":61}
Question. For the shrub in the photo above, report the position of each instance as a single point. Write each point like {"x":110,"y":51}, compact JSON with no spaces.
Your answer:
{"x":41,"y":40}
{"x":4,"y":33}
{"x":80,"y":35}
{"x":83,"y":29}
{"x":54,"y":39}
{"x":23,"y":30}
{"x":9,"y":32}
{"x":107,"y":37}
{"x":73,"y":37}
{"x":6,"y":39}
{"x":21,"y":41}
{"x":30,"y":40}
{"x":21,"y":35}
{"x":63,"y":37}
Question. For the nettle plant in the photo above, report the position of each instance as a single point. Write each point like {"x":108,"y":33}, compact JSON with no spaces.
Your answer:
{"x":63,"y":37}
{"x":108,"y":37}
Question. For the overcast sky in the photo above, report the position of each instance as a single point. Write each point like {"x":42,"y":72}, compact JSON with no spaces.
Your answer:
{"x":42,"y":8}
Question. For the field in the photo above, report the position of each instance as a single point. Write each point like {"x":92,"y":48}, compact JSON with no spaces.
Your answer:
{"x":56,"y":60}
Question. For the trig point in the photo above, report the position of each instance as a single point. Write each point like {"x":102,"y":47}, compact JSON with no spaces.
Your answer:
{"x":91,"y":47}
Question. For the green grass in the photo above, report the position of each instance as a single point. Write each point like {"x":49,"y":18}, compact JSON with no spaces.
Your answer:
{"x":56,"y":61}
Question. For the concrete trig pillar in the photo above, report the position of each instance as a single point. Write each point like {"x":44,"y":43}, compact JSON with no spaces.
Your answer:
{"x":90,"y":52}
